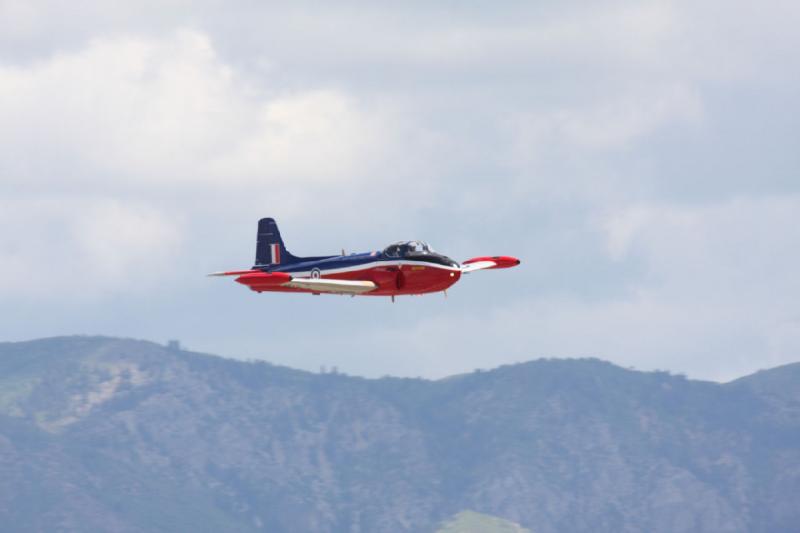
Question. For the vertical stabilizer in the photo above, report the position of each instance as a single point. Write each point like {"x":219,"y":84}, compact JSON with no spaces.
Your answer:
{"x":270,"y":250}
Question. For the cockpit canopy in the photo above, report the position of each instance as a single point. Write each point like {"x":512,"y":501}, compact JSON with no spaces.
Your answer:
{"x":403,"y":248}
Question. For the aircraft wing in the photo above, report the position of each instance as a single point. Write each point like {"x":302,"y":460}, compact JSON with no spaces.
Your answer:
{"x":477,"y":265}
{"x":481,"y":263}
{"x":336,"y":286}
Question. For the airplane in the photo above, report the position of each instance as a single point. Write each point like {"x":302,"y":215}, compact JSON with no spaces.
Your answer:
{"x":402,"y":268}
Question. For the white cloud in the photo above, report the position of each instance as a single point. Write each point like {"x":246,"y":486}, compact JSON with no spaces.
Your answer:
{"x":585,"y":154}
{"x":81,"y":248}
{"x":151,"y":111}
{"x":314,"y":136}
{"x":745,"y":249}
{"x":606,"y":125}
{"x":124,"y":244}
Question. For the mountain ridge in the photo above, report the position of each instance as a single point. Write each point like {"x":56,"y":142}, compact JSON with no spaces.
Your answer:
{"x":108,"y":429}
{"x":87,"y":339}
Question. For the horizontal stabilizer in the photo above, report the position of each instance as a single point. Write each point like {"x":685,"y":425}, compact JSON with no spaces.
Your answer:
{"x":233,"y":273}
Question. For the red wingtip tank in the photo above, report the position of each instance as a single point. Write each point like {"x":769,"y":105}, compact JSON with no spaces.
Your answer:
{"x":501,"y":261}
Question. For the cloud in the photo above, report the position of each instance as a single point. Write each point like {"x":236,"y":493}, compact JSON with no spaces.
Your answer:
{"x":313,"y":136}
{"x":81,"y":248}
{"x":144,"y":111}
{"x":743,"y":248}
{"x":609,"y":125}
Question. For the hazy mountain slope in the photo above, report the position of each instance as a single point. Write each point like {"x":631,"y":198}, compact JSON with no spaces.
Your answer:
{"x":776,"y":447}
{"x":472,"y":522}
{"x":783,"y":381}
{"x":122,"y":435}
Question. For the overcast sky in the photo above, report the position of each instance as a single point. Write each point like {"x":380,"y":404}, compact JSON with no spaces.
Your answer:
{"x":641,"y":158}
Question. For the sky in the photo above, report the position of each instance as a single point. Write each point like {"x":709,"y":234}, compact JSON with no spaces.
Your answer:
{"x":641,"y":158}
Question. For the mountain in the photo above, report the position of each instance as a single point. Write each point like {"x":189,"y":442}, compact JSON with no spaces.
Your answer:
{"x":102,"y":434}
{"x":472,"y":522}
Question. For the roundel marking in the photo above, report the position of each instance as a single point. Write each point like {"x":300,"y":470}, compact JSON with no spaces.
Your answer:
{"x":315,"y":273}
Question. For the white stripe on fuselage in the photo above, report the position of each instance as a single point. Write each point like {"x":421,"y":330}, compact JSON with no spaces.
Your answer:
{"x":373,"y":264}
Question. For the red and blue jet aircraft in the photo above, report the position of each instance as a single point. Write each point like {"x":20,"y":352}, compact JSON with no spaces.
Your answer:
{"x":402,"y":268}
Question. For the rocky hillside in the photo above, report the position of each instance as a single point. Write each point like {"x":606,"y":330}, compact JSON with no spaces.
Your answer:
{"x":100,"y":434}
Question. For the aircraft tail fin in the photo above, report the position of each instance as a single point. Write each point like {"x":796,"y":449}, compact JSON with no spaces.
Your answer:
{"x":269,"y":245}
